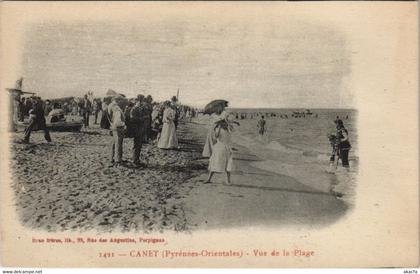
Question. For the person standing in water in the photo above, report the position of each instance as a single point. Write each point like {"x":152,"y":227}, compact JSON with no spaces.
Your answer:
{"x":344,"y":143}
{"x":261,"y":126}
{"x":341,"y":144}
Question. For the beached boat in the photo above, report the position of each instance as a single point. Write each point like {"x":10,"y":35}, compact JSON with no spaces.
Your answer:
{"x":66,"y":126}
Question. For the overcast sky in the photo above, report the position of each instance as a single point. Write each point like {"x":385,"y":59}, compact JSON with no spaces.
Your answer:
{"x":251,"y":63}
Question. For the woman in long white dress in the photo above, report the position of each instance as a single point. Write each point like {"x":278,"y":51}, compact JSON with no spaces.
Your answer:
{"x":221,"y":159}
{"x":210,"y":138}
{"x":168,"y":139}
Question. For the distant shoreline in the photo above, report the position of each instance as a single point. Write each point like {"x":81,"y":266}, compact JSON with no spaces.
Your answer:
{"x":300,"y":109}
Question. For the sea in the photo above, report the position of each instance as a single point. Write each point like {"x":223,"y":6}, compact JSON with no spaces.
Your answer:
{"x":298,"y":146}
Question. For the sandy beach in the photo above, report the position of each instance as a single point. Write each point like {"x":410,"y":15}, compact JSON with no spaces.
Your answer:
{"x":69,"y":184}
{"x":258,"y":198}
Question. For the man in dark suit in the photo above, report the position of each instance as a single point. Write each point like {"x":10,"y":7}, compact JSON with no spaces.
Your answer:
{"x":86,"y":110}
{"x":137,"y":120}
{"x":37,"y":121}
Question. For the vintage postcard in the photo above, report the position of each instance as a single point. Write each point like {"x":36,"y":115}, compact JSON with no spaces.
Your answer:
{"x":209,"y":134}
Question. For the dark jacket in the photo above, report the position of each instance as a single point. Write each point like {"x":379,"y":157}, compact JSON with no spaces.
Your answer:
{"x":86,"y":106}
{"x":137,"y":118}
{"x":37,"y":115}
{"x":344,"y":144}
{"x":37,"y":112}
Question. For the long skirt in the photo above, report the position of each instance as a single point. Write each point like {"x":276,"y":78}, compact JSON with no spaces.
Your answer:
{"x":168,"y":137}
{"x":208,"y":145}
{"x":221,"y":159}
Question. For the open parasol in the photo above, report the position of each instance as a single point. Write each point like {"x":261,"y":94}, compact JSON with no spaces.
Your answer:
{"x":215,"y":106}
{"x":111,"y":92}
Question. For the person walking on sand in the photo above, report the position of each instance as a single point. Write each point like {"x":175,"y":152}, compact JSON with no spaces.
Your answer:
{"x":221,"y":159}
{"x":117,"y":128}
{"x":137,"y":119}
{"x":168,"y":138}
{"x":37,"y":121}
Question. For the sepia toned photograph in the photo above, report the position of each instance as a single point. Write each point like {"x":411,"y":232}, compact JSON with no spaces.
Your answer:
{"x":173,"y":119}
{"x":120,"y":127}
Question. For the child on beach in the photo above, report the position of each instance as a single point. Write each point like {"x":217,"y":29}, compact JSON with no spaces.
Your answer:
{"x":221,"y":159}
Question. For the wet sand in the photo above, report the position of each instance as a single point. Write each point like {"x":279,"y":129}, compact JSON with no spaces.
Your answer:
{"x":258,"y":197}
{"x":70,"y":185}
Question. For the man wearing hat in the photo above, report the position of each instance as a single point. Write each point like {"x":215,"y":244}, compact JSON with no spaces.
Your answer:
{"x":117,"y":127}
{"x":86,"y":110}
{"x":37,"y":120}
{"x":137,"y":119}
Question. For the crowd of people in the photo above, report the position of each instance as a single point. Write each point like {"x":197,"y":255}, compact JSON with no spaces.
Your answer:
{"x":138,"y":118}
{"x":142,"y":120}
{"x":146,"y":121}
